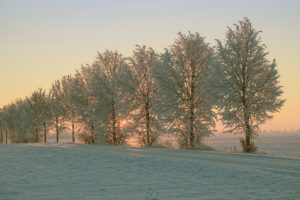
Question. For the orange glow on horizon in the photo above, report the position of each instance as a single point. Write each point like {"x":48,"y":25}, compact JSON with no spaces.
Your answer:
{"x":133,"y":142}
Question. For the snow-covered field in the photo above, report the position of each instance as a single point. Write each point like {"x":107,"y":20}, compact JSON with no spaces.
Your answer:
{"x":67,"y":171}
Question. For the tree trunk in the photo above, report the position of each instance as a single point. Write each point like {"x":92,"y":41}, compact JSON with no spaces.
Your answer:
{"x":248,"y":133}
{"x":73,"y":131}
{"x":247,"y":145}
{"x":248,"y":137}
{"x":5,"y":136}
{"x":45,"y":133}
{"x":92,"y":134}
{"x":1,"y":136}
{"x":192,"y":110}
{"x":36,"y":134}
{"x":73,"y":124}
{"x":114,"y":134}
{"x":57,"y":129}
{"x":147,"y":110}
{"x":192,"y":131}
{"x":248,"y":141}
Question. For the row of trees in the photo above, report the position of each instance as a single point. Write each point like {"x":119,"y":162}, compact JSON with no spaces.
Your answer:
{"x":177,"y":92}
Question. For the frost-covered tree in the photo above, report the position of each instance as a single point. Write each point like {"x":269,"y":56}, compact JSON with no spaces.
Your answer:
{"x":57,"y":109}
{"x":183,"y":77}
{"x":84,"y":97}
{"x":23,"y":126}
{"x":65,"y":93}
{"x":109,"y":68}
{"x":247,"y":83}
{"x":17,"y":122}
{"x":8,"y":120}
{"x":144,"y":100}
{"x":38,"y":104}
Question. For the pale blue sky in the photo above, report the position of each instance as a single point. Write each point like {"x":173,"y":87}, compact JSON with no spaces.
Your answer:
{"x":41,"y":41}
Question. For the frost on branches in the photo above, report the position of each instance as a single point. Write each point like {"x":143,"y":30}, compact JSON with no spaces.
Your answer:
{"x":186,"y":66}
{"x":144,"y":98}
{"x":247,"y":84}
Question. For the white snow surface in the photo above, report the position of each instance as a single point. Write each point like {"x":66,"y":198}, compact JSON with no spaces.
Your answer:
{"x":68,"y":171}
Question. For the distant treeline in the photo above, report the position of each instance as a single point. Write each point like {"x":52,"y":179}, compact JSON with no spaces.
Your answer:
{"x":179,"y":92}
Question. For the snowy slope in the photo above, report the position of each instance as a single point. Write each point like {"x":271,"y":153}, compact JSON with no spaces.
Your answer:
{"x":67,"y":171}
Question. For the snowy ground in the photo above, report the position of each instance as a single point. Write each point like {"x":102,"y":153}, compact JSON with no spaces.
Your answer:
{"x":67,"y":171}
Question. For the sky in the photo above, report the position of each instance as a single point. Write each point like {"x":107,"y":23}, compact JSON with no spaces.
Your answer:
{"x":41,"y":41}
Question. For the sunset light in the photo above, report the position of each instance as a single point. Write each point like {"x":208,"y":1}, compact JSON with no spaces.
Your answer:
{"x":140,"y":99}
